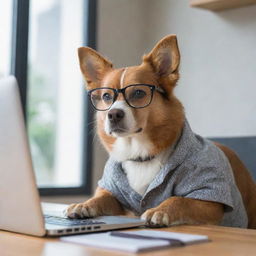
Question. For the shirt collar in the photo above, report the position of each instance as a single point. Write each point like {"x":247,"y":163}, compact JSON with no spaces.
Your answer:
{"x":186,"y":144}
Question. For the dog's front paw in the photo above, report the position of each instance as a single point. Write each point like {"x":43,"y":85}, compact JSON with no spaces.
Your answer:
{"x":81,"y":210}
{"x":156,"y":218}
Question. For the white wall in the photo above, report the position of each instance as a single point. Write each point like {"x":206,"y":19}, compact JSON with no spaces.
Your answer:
{"x":121,"y":27}
{"x":217,"y":85}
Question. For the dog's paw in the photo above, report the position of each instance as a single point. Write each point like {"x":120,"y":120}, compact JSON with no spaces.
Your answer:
{"x":81,"y":210}
{"x":156,"y":218}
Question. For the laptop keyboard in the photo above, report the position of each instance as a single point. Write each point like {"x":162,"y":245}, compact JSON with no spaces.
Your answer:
{"x":70,"y":222}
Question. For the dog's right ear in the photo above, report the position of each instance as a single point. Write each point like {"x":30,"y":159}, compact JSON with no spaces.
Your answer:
{"x":93,"y":66}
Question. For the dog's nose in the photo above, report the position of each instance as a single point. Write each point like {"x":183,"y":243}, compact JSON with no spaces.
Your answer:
{"x":115,"y":115}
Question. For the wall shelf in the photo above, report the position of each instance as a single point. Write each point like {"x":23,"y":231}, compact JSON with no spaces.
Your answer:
{"x":218,"y":5}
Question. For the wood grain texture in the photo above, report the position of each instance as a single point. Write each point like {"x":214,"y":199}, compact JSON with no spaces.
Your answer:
{"x":224,"y":241}
{"x":218,"y":5}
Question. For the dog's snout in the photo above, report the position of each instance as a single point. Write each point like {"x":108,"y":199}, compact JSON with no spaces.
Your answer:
{"x":115,"y":115}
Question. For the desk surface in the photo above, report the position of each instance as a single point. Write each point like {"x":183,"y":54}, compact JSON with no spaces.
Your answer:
{"x":224,"y":241}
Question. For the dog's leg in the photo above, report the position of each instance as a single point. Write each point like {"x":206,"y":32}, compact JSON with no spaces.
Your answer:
{"x":179,"y":210}
{"x":102,"y":203}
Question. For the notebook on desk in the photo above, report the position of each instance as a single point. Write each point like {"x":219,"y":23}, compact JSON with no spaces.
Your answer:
{"x":136,"y":241}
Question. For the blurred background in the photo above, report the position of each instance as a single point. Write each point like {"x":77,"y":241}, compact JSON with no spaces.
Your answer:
{"x":217,"y":84}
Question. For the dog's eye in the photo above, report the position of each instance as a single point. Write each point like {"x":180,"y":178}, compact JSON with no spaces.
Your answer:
{"x":95,"y":97}
{"x":107,"y":97}
{"x":138,"y":94}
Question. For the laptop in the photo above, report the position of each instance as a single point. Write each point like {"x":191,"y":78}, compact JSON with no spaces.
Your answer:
{"x":20,"y":206}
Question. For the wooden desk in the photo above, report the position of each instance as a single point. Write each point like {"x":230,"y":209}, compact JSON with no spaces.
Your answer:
{"x":224,"y":241}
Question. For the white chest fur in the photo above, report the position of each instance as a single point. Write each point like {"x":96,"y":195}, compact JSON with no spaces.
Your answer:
{"x":139,"y":174}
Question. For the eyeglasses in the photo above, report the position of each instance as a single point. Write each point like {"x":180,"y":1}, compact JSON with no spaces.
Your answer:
{"x":136,"y":96}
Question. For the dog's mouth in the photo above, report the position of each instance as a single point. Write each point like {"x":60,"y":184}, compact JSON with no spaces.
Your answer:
{"x":118,"y":130}
{"x":139,"y":130}
{"x":121,"y":132}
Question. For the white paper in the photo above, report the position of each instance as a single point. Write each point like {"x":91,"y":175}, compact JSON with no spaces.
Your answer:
{"x":105,"y":240}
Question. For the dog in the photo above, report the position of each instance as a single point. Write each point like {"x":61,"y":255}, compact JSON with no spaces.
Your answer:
{"x":158,"y":168}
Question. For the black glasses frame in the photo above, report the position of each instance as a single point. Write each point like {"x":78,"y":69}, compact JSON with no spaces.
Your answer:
{"x":117,"y":91}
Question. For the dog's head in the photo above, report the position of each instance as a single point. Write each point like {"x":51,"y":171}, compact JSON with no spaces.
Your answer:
{"x":136,"y":103}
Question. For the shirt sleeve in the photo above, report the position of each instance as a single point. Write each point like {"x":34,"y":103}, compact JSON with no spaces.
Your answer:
{"x":209,"y":179}
{"x":111,"y":181}
{"x":214,"y":189}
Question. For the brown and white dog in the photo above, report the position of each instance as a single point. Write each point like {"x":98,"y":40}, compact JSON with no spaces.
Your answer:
{"x":149,"y":131}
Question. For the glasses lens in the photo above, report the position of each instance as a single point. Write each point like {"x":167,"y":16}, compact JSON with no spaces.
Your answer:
{"x":138,"y":96}
{"x":102,"y":98}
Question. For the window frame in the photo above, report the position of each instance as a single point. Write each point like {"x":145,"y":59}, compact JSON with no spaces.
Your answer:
{"x":19,"y":68}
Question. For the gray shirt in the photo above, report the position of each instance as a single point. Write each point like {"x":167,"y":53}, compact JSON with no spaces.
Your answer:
{"x":195,"y":169}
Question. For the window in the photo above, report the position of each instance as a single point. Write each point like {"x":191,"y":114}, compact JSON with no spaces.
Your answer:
{"x":55,"y":91}
{"x":46,"y":37}
{"x":5,"y":35}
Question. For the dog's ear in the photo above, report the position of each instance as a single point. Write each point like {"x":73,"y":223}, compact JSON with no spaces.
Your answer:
{"x":165,"y":56}
{"x":93,"y":66}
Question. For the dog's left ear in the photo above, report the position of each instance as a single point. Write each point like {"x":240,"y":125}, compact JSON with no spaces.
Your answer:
{"x":165,"y":56}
